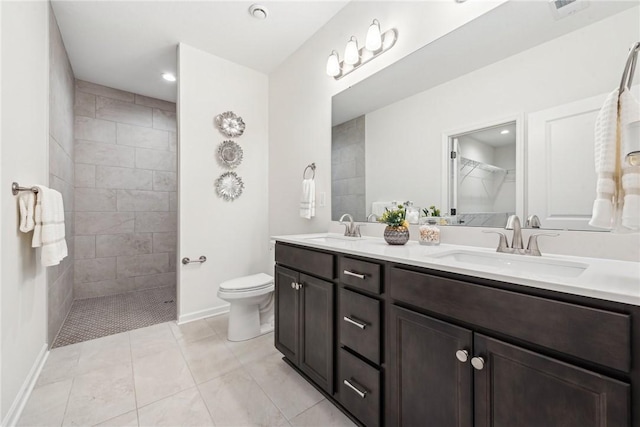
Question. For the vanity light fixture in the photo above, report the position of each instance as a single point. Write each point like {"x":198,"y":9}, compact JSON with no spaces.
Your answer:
{"x":504,"y":131}
{"x":354,"y":57}
{"x":351,"y":52}
{"x":333,"y":64}
{"x":373,"y":41}
{"x":169,"y":77}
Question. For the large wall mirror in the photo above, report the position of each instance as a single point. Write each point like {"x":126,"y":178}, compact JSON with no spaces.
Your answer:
{"x":519,"y":69}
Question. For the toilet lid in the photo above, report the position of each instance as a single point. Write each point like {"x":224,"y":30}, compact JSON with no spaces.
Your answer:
{"x":247,"y":283}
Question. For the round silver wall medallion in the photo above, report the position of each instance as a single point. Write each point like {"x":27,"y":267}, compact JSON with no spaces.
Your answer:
{"x":229,"y":154}
{"x":229,"y":186}
{"x":230,"y":124}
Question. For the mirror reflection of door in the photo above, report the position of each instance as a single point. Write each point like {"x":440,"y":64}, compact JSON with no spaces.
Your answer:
{"x":483,"y":176}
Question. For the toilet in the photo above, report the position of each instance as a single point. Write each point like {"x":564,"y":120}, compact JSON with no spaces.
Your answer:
{"x":252,"y":301}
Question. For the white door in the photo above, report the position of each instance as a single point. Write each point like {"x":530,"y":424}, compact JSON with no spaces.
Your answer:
{"x":561,"y":176}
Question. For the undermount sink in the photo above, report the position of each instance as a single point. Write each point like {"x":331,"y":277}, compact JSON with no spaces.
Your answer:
{"x":332,"y":239}
{"x":516,"y":263}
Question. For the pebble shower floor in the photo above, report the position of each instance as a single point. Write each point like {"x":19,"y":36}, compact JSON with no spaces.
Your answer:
{"x":101,"y":316}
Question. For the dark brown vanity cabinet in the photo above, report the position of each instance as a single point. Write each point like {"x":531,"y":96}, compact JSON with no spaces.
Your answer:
{"x":459,"y":377}
{"x":426,"y":380}
{"x":304,"y":330}
{"x":360,"y":329}
{"x":420,"y":347}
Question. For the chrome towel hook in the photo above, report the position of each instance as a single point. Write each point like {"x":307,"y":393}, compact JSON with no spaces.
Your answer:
{"x":311,"y":166}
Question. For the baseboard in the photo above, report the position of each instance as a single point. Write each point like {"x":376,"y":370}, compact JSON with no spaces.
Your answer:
{"x":12,"y":417}
{"x":197,"y":315}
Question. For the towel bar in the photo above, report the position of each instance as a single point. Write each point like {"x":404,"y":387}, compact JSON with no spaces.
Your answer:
{"x":311,"y":166}
{"x":15,"y":188}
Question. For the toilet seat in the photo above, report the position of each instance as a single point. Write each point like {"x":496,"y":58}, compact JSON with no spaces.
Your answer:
{"x":251,"y":283}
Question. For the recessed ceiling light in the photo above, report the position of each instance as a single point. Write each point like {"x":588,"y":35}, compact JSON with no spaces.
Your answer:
{"x":169,"y":77}
{"x":504,"y":131}
{"x":258,"y":11}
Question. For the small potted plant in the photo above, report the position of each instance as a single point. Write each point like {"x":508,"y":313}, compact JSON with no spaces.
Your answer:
{"x":397,"y":230}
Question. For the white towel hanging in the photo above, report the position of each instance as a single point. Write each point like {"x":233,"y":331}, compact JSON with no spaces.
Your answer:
{"x":49,"y":230}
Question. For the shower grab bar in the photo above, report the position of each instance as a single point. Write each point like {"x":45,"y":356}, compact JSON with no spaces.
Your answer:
{"x":200,"y":260}
{"x":15,"y":189}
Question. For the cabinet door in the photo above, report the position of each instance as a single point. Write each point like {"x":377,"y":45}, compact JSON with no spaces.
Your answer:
{"x":287,"y":331}
{"x":517,"y":387}
{"x":316,"y":330}
{"x":427,"y":384}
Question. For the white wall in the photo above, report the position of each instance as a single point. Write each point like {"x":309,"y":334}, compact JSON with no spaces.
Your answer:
{"x":232,"y":235}
{"x":24,"y":159}
{"x":300,"y":95}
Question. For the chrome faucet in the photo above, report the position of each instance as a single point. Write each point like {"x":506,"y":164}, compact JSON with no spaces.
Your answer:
{"x":513,"y":223}
{"x":374,"y":216}
{"x":532,"y":222}
{"x":350,"y":229}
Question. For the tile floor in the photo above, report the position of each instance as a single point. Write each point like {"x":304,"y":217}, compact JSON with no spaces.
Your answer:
{"x":170,"y":375}
{"x":101,"y":316}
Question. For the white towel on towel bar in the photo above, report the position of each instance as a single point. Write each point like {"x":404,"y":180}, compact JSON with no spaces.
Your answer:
{"x":27,"y":205}
{"x":617,"y":188}
{"x":308,"y":199}
{"x":49,"y":230}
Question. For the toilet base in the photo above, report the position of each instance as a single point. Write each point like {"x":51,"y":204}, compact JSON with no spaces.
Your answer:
{"x":244,"y":322}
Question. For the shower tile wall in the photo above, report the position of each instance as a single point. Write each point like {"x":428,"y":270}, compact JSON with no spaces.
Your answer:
{"x":125,"y":191}
{"x":61,"y":174}
{"x":348,"y":169}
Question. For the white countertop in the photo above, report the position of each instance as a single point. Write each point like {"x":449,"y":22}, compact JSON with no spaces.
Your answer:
{"x":604,"y":279}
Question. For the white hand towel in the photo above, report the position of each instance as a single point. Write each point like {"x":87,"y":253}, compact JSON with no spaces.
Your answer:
{"x":308,"y":199}
{"x":49,"y":230}
{"x":631,"y":208}
{"x":606,"y":140}
{"x":27,"y":204}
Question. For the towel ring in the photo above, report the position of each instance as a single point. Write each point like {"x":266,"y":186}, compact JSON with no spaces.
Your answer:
{"x":311,"y":166}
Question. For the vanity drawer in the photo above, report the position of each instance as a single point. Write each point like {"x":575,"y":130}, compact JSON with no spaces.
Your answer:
{"x":599,"y":336}
{"x":360,"y":274}
{"x":360,"y":324}
{"x":317,"y":263}
{"x":359,"y":389}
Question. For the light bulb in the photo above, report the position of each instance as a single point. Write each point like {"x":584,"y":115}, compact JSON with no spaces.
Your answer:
{"x":373,"y":41}
{"x":351,"y":55}
{"x":333,"y":64}
{"x":504,"y":131}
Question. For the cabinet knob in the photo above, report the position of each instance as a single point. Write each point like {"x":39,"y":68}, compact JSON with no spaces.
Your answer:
{"x":462,"y":355}
{"x":298,"y":286}
{"x":477,"y":363}
{"x":293,"y":285}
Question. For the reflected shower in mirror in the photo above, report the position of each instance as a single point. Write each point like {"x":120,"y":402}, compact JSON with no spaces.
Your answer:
{"x":482,"y":187}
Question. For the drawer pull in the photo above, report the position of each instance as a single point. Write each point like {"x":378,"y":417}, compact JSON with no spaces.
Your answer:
{"x":477,"y":363}
{"x":362,"y":394}
{"x":351,"y":273}
{"x":360,"y":325}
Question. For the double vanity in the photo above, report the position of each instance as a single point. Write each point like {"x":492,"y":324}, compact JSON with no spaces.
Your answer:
{"x":460,"y":336}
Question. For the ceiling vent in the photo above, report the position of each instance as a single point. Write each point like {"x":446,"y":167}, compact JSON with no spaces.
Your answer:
{"x":563,"y":8}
